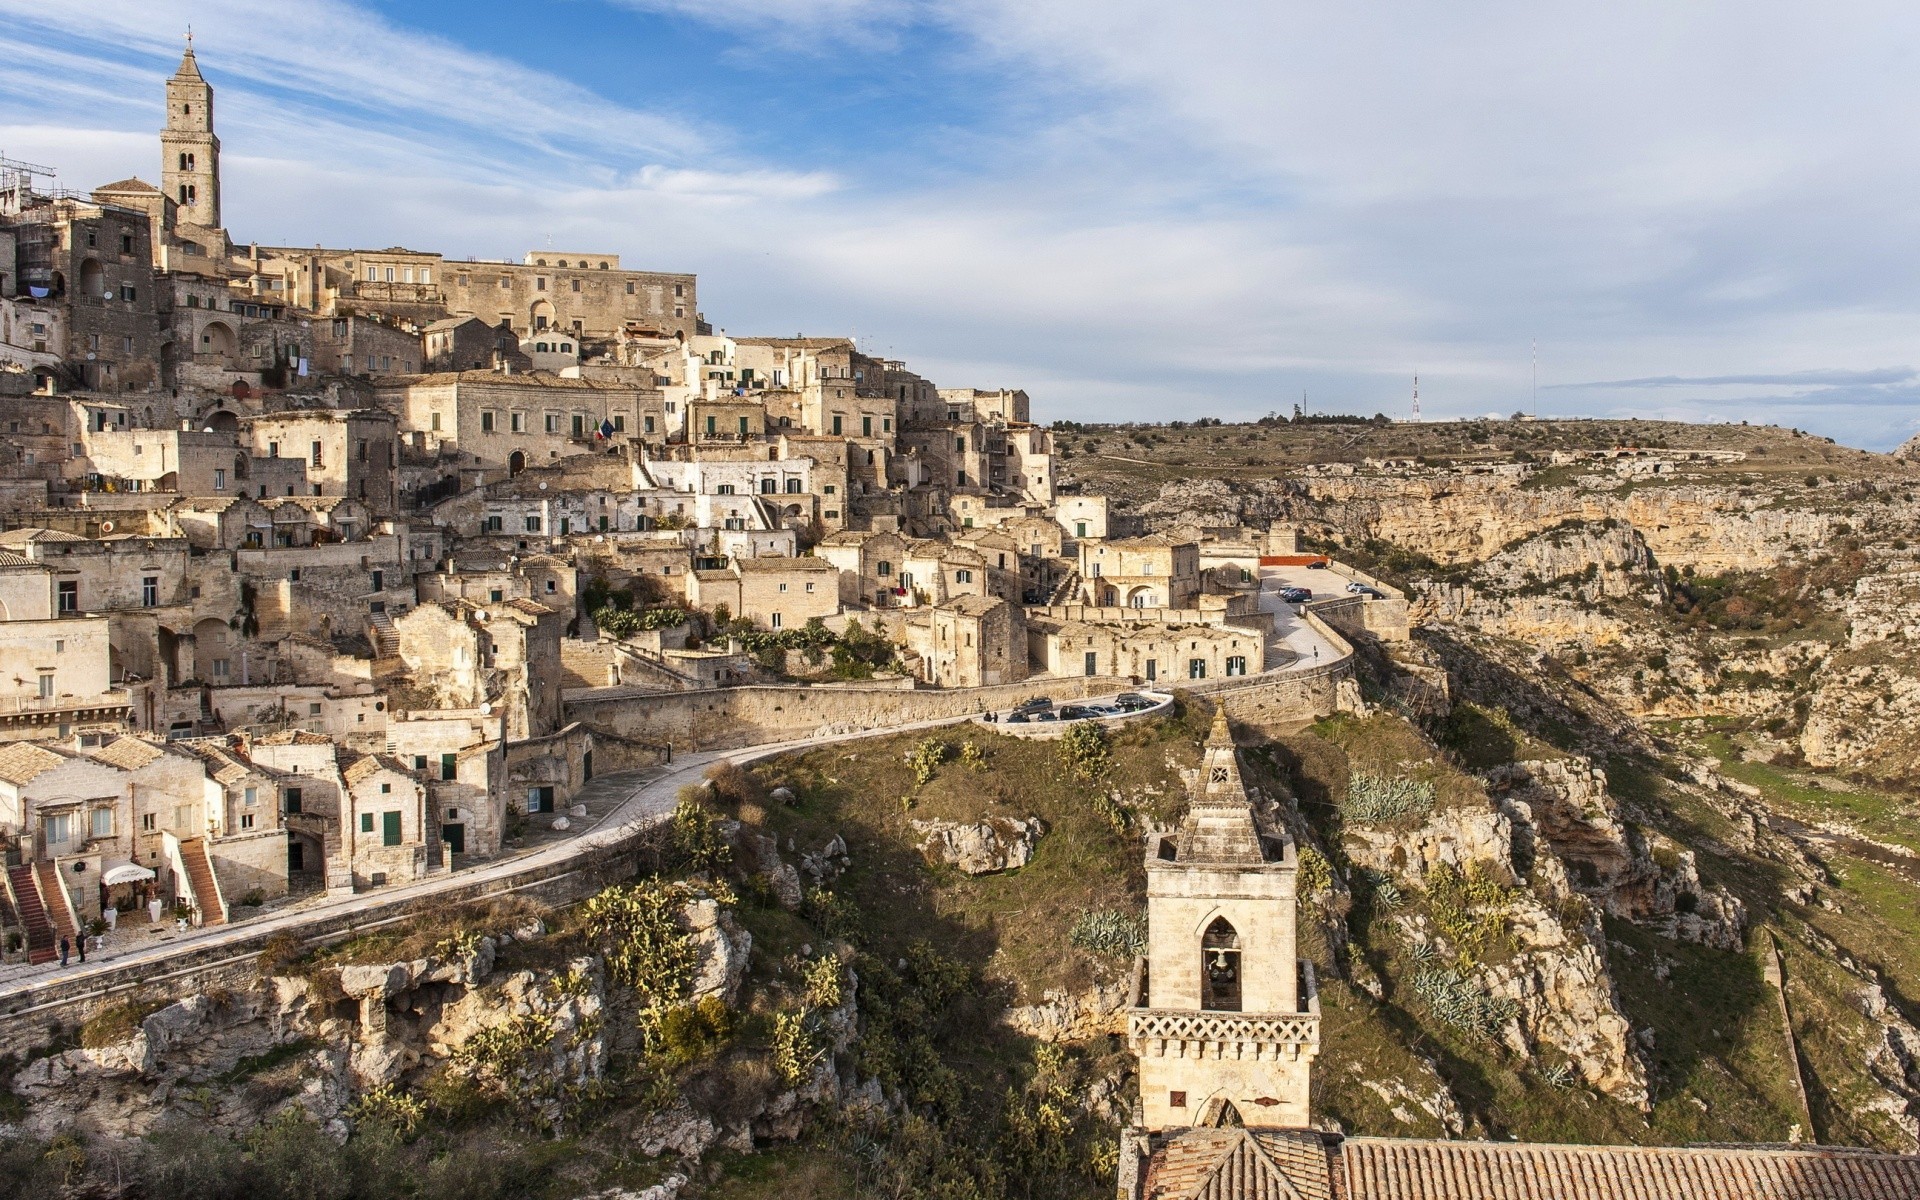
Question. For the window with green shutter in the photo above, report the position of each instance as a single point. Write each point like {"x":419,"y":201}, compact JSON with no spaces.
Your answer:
{"x":390,"y":829}
{"x":366,"y":822}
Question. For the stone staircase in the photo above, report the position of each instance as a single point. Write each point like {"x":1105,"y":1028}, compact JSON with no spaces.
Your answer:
{"x":54,"y":898}
{"x":385,"y":638}
{"x":25,"y":894}
{"x":1068,"y":589}
{"x":200,"y":878}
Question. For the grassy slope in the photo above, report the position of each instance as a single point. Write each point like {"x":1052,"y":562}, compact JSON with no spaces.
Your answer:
{"x":1719,"y":1067}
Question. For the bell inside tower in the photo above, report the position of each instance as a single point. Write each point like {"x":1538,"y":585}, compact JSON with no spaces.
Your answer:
{"x":1220,"y":967}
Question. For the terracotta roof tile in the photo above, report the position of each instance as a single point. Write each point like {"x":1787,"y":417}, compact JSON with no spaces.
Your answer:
{"x":23,"y":762}
{"x":128,"y":753}
{"x":1411,"y":1169}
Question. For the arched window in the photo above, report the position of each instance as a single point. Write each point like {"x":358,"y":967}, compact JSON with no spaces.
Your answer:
{"x":1220,"y":967}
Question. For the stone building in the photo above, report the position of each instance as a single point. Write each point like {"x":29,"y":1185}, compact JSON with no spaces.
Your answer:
{"x":969,"y":641}
{"x":776,"y":593}
{"x":1227,"y":1021}
{"x":1154,"y":571}
{"x":385,"y":819}
{"x":348,"y":452}
{"x":1146,"y":650}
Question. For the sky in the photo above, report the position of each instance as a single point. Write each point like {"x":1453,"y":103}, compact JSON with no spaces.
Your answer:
{"x":1135,"y":211}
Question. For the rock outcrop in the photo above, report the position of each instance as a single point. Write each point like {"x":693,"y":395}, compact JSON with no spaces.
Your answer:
{"x":979,"y":848}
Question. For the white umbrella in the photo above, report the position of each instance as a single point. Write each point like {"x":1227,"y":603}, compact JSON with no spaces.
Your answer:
{"x":126,"y":872}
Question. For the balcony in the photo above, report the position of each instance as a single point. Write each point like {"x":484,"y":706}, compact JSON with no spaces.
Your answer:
{"x":114,"y":704}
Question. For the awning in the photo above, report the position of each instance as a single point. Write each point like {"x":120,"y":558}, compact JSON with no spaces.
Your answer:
{"x":126,"y":872}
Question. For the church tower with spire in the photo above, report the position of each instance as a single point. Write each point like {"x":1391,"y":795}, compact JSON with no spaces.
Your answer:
{"x":1226,"y":1019}
{"x":189,"y":150}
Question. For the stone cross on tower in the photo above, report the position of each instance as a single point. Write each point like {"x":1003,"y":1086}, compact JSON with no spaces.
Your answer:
{"x":189,"y":151}
{"x":1226,"y":1021}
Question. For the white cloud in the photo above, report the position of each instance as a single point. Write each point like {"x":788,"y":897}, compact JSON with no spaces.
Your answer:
{"x":1187,"y":209}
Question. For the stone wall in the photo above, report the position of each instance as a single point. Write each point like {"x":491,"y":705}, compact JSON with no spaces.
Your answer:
{"x":730,"y":717}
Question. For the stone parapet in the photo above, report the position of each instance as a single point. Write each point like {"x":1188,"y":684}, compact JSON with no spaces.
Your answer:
{"x":1174,"y":1033}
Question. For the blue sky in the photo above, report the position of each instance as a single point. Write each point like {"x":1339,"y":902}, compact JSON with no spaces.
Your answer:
{"x":1133,"y":210}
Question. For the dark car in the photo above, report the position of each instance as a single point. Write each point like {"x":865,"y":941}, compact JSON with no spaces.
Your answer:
{"x":1078,"y":712}
{"x":1318,"y":564}
{"x":1016,"y":717}
{"x":1033,"y":705}
{"x":1132,"y":702}
{"x":1296,"y":595}
{"x":1045,"y":714}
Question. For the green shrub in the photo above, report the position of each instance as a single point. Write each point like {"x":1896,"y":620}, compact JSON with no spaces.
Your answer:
{"x":387,"y":1104}
{"x":1377,"y":798}
{"x":1105,"y":931}
{"x":1453,"y":1000}
{"x":1468,"y":906}
{"x":1316,"y":874}
{"x":689,"y":1032}
{"x":797,"y":1047}
{"x":696,"y":834}
{"x":926,"y":758}
{"x":825,"y":982}
{"x":1083,"y":751}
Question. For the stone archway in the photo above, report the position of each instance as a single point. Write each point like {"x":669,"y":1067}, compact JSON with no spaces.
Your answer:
{"x":218,"y":341}
{"x":93,"y":280}
{"x":223,"y":422}
{"x":1220,"y":967}
{"x":516,"y":462}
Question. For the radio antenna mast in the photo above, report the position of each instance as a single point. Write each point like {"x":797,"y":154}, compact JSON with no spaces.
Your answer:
{"x":1416,"y":399}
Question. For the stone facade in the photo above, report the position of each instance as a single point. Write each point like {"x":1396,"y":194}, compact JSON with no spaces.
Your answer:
{"x":1225,"y":1022}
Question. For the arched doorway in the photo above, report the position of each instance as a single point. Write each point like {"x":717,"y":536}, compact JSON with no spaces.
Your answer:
{"x":1220,"y":967}
{"x":541,"y":316}
{"x":1220,"y":1113}
{"x":217,"y":341}
{"x":306,"y":855}
{"x":93,"y":283}
{"x":1140,"y":597}
{"x":516,"y":462}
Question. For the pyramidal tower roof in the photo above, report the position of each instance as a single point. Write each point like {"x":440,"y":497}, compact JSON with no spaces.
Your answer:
{"x":1219,"y":826}
{"x":189,"y":69}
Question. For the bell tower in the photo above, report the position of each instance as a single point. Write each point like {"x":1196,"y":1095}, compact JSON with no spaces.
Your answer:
{"x":1226,"y":1019}
{"x":189,"y":151}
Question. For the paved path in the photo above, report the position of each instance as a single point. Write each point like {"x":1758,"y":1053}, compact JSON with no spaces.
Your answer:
{"x":1292,"y":636}
{"x":639,"y":799}
{"x":620,"y":805}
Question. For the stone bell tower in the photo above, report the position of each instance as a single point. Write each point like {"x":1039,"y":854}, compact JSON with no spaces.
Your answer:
{"x":1226,"y":1019}
{"x":189,"y":151}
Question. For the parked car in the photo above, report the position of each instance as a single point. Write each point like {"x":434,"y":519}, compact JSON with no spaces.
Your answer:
{"x":1077,"y":712}
{"x":1361,"y":589}
{"x":1045,"y":714}
{"x":1016,"y":717}
{"x":1296,"y":595}
{"x":1356,"y":586}
{"x":1132,"y":702}
{"x":1033,"y":705}
{"x":1318,"y":564}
